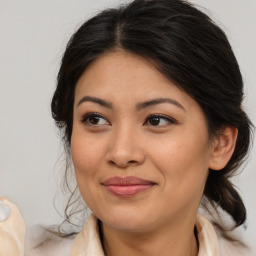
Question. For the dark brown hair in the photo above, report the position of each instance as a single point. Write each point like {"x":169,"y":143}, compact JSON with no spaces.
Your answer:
{"x":190,"y":50}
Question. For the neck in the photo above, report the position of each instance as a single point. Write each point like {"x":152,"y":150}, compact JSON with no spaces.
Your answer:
{"x":176,"y":240}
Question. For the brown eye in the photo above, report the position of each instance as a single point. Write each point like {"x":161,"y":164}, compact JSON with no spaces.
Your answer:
{"x":154,"y":121}
{"x":94,"y":120}
{"x":159,"y":120}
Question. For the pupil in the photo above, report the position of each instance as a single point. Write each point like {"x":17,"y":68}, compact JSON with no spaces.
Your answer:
{"x":94,"y":119}
{"x":154,"y":121}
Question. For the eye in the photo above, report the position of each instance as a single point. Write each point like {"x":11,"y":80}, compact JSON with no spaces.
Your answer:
{"x":159,"y":120}
{"x":94,"y":119}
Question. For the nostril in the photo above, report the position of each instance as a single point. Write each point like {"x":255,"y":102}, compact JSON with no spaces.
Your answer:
{"x":122,"y":163}
{"x":112,"y":162}
{"x":124,"y":158}
{"x":131,"y":161}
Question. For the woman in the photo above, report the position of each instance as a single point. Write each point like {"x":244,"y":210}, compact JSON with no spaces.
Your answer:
{"x":149,"y":101}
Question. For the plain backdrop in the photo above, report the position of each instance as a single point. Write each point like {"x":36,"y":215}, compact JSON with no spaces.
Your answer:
{"x":33,"y":35}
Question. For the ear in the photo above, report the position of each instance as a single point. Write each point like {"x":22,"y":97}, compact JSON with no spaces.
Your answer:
{"x":223,"y":148}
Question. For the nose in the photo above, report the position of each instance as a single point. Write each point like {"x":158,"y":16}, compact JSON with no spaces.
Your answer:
{"x":125,"y":148}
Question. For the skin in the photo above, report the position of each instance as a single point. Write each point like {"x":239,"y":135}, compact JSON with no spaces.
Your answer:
{"x":124,"y":140}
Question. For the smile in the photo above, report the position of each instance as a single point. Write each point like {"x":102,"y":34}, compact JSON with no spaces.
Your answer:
{"x":127,"y":186}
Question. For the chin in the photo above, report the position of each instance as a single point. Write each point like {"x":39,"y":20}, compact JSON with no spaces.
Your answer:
{"x":132,"y":221}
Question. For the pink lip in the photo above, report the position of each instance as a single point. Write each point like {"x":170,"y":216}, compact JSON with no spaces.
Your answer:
{"x":127,"y":186}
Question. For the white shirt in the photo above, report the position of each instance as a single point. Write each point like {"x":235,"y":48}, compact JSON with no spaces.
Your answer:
{"x":87,"y":242}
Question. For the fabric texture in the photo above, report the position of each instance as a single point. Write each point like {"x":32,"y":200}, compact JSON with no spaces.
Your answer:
{"x":87,"y":242}
{"x":39,"y":242}
{"x":208,"y":240}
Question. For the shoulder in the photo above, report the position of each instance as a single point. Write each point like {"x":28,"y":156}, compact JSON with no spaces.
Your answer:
{"x":214,"y":241}
{"x":233,"y":248}
{"x":230,"y":245}
{"x":40,"y":242}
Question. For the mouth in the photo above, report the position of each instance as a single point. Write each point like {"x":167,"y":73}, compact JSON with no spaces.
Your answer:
{"x":127,"y":186}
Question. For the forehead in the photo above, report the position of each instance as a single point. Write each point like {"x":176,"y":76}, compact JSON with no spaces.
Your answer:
{"x":112,"y":68}
{"x":127,"y":78}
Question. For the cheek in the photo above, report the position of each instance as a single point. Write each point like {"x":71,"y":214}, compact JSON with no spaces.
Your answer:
{"x":184,"y":161}
{"x":85,"y":157}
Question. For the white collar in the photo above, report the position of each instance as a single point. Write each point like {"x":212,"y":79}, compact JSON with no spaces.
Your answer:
{"x":87,"y":242}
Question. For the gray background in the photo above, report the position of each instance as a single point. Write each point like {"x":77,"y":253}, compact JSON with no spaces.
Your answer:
{"x":33,"y":34}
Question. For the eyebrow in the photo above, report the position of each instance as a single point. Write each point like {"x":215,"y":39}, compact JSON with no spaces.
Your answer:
{"x":149,"y":103}
{"x":139,"y":106}
{"x":99,"y":101}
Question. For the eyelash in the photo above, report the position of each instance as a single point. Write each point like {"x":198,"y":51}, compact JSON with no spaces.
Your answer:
{"x":169,"y":120}
{"x":160,"y":117}
{"x":86,"y":118}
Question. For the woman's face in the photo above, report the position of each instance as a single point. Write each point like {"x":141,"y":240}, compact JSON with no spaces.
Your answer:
{"x":140,"y":145}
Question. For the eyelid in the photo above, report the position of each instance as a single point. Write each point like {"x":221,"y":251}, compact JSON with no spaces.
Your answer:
{"x":92,"y":114}
{"x":171,"y":120}
{"x":168,"y":119}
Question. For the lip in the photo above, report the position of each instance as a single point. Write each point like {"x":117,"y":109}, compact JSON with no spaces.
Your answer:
{"x":127,"y":186}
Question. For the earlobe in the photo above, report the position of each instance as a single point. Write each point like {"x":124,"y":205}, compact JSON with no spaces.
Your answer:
{"x":223,"y":148}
